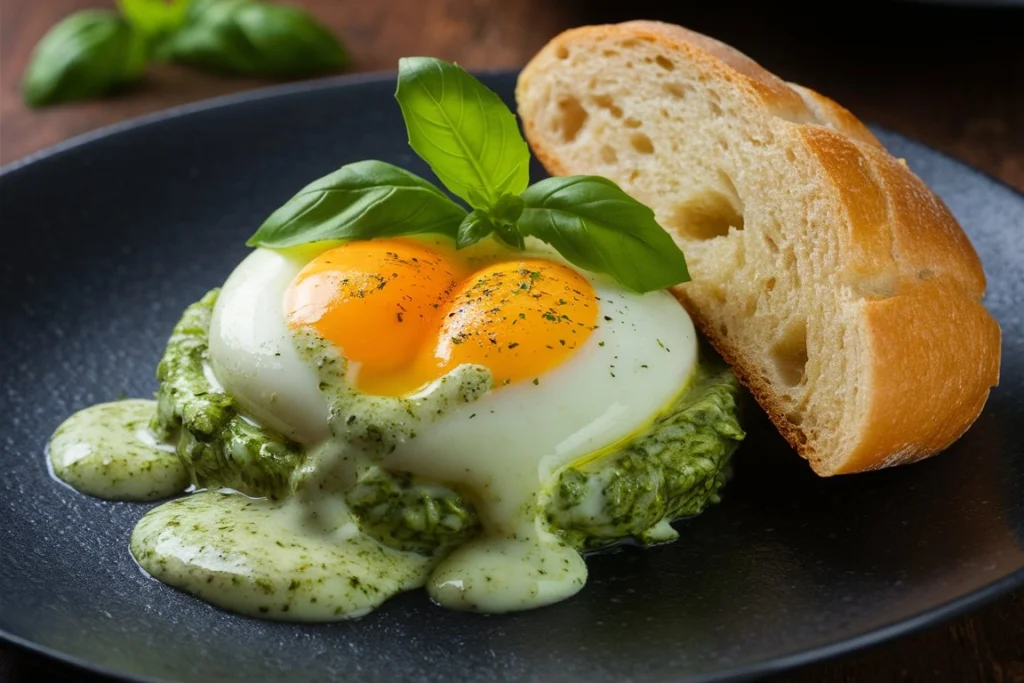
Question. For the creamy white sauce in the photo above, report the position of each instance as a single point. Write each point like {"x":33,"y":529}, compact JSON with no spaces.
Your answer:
{"x":271,"y":560}
{"x":108,"y":451}
{"x":506,"y":572}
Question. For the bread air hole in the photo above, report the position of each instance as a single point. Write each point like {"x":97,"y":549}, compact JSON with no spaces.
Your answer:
{"x":570,"y":119}
{"x":562,"y":52}
{"x":710,"y":214}
{"x":608,"y":154}
{"x":707,"y":216}
{"x":607,"y":103}
{"x":664,"y":62}
{"x":789,"y":353}
{"x":641,"y":143}
{"x":675,"y":90}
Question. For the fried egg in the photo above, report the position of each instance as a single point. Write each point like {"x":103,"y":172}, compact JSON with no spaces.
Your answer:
{"x":576,"y":363}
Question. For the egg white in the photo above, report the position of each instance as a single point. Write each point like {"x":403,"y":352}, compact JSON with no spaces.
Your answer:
{"x":627,"y":370}
{"x":252,"y":353}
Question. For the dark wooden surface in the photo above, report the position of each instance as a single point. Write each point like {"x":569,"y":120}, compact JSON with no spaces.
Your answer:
{"x":950,"y":76}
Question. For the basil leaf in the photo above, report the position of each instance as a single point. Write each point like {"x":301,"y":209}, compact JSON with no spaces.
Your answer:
{"x":463,"y":130}
{"x":510,"y":235}
{"x":198,"y":7}
{"x":507,"y":209}
{"x":256,"y":39}
{"x":598,"y":227}
{"x":89,"y":53}
{"x":360,"y":201}
{"x":155,"y":17}
{"x":474,"y":227}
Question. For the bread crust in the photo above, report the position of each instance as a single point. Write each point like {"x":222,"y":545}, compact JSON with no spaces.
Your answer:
{"x":932,"y":351}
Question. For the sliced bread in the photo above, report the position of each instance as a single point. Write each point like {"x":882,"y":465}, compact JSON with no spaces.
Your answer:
{"x":842,"y":291}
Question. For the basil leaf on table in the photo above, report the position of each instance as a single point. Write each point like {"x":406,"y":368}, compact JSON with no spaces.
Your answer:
{"x":89,"y":53}
{"x":360,"y":201}
{"x":155,"y":17}
{"x":598,"y":227}
{"x":463,"y":130}
{"x":256,"y":39}
{"x":198,"y":7}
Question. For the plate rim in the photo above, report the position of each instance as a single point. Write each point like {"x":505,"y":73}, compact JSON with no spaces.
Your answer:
{"x":946,"y":611}
{"x":788,"y":662}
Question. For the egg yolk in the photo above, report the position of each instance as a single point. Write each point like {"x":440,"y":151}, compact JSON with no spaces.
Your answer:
{"x":404,"y":313}
{"x":376,"y":301}
{"x":518,"y":319}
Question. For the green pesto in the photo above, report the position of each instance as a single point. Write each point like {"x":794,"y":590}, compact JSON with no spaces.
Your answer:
{"x":673,"y":469}
{"x":217,"y":446}
{"x":407,"y":513}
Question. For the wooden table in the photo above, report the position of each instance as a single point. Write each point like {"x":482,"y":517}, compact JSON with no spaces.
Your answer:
{"x":950,"y":77}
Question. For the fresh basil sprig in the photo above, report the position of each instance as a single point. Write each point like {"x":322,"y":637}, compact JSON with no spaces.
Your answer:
{"x":470,"y":139}
{"x":87,"y":54}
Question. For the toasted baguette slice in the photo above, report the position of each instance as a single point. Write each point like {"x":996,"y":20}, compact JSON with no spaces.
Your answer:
{"x":838,"y":286}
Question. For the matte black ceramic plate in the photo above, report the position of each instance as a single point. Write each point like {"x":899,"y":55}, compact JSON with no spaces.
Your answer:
{"x":106,"y":241}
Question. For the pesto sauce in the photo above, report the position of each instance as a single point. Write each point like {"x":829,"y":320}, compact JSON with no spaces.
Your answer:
{"x":672,"y":469}
{"x":108,"y":451}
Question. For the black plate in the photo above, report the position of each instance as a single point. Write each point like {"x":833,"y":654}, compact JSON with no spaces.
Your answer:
{"x":108,"y":238}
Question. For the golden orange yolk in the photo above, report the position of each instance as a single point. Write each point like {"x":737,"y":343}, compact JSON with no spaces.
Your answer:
{"x":377,"y":301}
{"x":518,"y":319}
{"x":406,"y":313}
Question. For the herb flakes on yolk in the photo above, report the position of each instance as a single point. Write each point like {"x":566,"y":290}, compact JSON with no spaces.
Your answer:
{"x":405,"y":313}
{"x":519,"y":319}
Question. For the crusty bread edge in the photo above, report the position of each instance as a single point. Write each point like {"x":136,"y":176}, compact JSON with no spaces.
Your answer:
{"x":981,"y":340}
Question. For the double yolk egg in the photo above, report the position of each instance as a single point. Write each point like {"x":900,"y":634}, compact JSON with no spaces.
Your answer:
{"x":406,"y":313}
{"x":576,"y":361}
